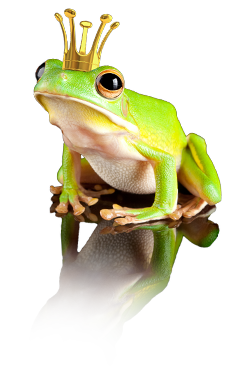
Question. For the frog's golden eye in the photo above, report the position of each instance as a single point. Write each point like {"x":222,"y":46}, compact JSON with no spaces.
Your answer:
{"x":101,"y":359}
{"x":40,"y":70}
{"x":110,"y":84}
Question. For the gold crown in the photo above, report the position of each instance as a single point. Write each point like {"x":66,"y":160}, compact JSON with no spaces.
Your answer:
{"x":74,"y":60}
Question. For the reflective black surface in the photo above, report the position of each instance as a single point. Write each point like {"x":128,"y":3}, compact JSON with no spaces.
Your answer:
{"x":178,"y":331}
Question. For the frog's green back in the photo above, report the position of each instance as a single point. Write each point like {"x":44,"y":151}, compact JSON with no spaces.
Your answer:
{"x":157,"y":121}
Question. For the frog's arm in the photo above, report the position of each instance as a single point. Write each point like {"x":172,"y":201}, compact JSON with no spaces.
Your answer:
{"x":72,"y":192}
{"x":164,"y":167}
{"x":70,"y":175}
{"x":88,"y":175}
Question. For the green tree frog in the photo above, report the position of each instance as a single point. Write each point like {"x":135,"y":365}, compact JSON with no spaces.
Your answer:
{"x":117,"y":272}
{"x":129,"y":141}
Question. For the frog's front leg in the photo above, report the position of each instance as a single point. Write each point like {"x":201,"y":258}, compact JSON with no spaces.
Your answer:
{"x":72,"y":192}
{"x":164,"y":167}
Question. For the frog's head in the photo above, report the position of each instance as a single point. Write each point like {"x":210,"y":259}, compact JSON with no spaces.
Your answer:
{"x":95,"y":100}
{"x":63,"y":335}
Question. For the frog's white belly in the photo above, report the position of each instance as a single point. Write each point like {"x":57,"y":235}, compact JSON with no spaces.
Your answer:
{"x":126,"y":174}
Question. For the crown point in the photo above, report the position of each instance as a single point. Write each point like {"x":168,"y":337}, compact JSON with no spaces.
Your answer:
{"x":106,"y":19}
{"x":70,"y":13}
{"x":58,"y":17}
{"x":115,"y":25}
{"x":86,"y":24}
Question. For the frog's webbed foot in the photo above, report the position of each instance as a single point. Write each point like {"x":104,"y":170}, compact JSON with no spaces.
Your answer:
{"x":81,"y":218}
{"x":189,"y":207}
{"x":205,"y":213}
{"x":127,"y":215}
{"x":75,"y":196}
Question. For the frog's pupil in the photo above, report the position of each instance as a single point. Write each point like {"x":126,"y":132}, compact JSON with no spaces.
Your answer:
{"x":102,"y":363}
{"x":110,"y":81}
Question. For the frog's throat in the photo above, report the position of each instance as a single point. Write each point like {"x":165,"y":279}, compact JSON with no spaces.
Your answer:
{"x":130,"y":127}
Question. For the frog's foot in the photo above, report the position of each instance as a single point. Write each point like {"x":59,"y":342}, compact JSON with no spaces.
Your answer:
{"x":134,"y":215}
{"x":191,"y":207}
{"x":206,"y":212}
{"x":75,"y":196}
{"x":87,"y":212}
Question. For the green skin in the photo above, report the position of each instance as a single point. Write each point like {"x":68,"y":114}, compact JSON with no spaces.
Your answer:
{"x":154,"y":134}
{"x":200,"y":232}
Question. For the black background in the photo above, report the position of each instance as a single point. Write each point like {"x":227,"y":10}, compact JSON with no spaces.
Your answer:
{"x":179,"y":330}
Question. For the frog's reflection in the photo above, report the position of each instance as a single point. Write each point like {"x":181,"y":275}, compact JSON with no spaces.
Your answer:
{"x":117,"y":272}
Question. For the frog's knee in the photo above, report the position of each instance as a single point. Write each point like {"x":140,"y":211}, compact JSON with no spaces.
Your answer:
{"x":196,"y":140}
{"x":211,"y":192}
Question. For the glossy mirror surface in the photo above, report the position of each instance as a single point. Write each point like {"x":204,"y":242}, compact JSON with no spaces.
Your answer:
{"x":110,"y":276}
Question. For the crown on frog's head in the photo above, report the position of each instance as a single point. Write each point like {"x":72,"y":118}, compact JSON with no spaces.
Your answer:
{"x":74,"y":60}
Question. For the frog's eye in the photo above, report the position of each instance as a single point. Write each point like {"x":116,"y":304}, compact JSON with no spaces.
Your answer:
{"x":110,"y":84}
{"x":101,"y":359}
{"x":39,"y":72}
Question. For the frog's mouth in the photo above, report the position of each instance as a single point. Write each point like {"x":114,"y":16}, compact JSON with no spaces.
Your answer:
{"x":67,"y":112}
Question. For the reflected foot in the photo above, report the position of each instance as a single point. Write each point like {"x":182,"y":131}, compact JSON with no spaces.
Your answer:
{"x":206,"y":212}
{"x":116,"y":228}
{"x":75,"y":196}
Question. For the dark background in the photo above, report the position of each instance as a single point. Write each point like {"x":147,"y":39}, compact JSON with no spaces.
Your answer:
{"x":179,"y":330}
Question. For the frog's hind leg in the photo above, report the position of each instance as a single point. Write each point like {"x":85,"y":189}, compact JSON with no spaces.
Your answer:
{"x":198,"y":175}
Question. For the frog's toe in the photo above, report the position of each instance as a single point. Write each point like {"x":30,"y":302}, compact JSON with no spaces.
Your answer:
{"x":98,"y":187}
{"x":78,"y":209}
{"x":99,"y":191}
{"x":62,"y":208}
{"x":90,"y":215}
{"x":88,"y":200}
{"x":205,"y":213}
{"x":126,"y":220}
{"x":56,"y":190}
{"x":189,"y":209}
{"x":79,"y":218}
{"x":91,"y":197}
{"x":116,"y":212}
